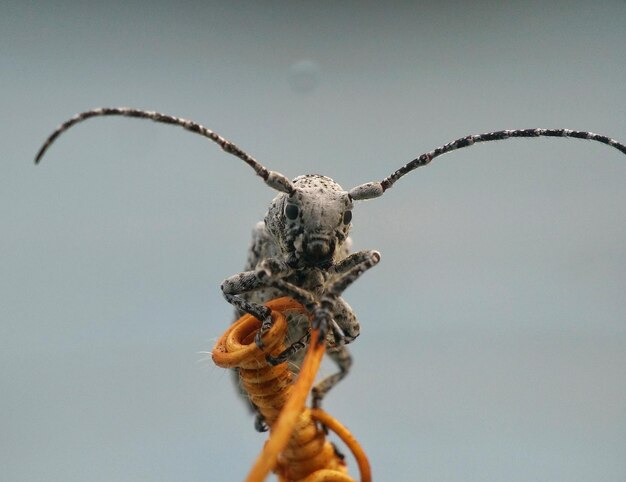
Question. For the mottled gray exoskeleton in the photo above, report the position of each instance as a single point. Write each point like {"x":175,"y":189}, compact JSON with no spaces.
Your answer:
{"x":302,"y":248}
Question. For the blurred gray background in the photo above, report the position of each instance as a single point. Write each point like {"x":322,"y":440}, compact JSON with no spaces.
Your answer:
{"x":493,"y":341}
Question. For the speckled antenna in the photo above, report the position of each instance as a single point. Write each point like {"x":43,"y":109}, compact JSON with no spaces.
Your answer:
{"x":375,"y":189}
{"x":302,"y":247}
{"x":273,"y":179}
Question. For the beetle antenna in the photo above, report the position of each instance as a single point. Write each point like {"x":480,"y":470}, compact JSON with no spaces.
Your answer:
{"x":375,"y":189}
{"x":273,"y":179}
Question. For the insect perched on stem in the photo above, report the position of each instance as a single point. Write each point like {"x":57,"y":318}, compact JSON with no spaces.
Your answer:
{"x":302,"y":248}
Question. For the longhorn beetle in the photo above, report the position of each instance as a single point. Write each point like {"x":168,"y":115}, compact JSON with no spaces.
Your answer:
{"x":302,"y":248}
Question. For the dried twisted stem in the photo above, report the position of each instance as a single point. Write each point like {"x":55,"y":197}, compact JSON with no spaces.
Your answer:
{"x":297,"y":449}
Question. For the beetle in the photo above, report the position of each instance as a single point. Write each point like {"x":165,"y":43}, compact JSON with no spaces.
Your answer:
{"x":302,"y":248}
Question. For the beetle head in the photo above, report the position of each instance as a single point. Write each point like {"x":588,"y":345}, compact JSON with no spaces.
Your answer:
{"x":312,"y":223}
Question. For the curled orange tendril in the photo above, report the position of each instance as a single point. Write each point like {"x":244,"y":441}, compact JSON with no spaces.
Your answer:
{"x":297,"y":450}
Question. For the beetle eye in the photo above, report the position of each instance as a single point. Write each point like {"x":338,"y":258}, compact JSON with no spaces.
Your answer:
{"x":347,"y":217}
{"x":291,"y":211}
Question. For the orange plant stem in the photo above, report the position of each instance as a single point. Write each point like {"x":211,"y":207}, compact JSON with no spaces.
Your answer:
{"x":344,"y":434}
{"x":282,"y":430}
{"x":297,"y":449}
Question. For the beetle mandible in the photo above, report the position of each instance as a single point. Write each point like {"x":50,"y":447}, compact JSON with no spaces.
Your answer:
{"x":302,"y":248}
